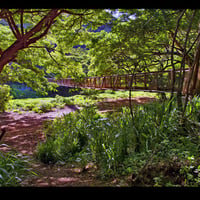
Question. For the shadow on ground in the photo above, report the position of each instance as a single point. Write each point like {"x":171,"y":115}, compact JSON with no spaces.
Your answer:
{"x":24,"y":131}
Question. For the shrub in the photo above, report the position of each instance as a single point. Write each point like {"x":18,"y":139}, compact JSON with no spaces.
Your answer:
{"x":60,"y":101}
{"x":86,"y":91}
{"x":4,"y":97}
{"x":103,"y":140}
{"x":46,"y":152}
{"x":109,"y":91}
{"x":29,"y":106}
{"x":45,"y":106}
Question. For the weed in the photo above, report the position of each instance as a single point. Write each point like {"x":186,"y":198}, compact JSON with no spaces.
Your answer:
{"x":13,"y":168}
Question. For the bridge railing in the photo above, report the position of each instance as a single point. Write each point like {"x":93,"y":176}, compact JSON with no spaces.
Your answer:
{"x":160,"y":80}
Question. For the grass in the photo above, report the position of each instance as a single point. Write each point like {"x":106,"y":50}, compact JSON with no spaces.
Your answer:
{"x":30,"y":104}
{"x":13,"y":169}
{"x":87,"y":97}
{"x":124,"y":94}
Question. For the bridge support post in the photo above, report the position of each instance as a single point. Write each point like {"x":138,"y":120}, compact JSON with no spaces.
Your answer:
{"x":156,"y":76}
{"x":145,"y":80}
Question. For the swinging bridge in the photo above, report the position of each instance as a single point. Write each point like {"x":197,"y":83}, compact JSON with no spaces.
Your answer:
{"x":158,"y":81}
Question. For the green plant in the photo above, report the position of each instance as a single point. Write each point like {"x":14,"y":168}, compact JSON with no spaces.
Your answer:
{"x":45,"y":106}
{"x":103,"y":140}
{"x":60,"y":101}
{"x":46,"y":152}
{"x":29,"y":106}
{"x":191,"y":171}
{"x":39,"y":105}
{"x":21,"y":91}
{"x":86,"y":91}
{"x":120,"y":145}
{"x":4,"y":97}
{"x":13,"y":168}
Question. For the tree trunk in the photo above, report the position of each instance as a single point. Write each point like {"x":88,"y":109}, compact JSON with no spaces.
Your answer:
{"x":192,"y":79}
{"x":9,"y":54}
{"x":130,"y":104}
{"x":194,"y":84}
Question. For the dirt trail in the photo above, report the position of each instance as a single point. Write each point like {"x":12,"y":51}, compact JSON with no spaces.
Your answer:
{"x":110,"y":105}
{"x":24,"y":131}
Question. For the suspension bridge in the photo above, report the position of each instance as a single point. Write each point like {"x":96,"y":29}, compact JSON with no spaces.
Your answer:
{"x":158,"y":81}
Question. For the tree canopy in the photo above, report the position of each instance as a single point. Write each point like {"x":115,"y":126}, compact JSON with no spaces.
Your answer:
{"x":35,"y":43}
{"x":47,"y":42}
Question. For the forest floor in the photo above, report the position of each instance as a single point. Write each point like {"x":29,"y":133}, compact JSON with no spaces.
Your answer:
{"x":24,"y":132}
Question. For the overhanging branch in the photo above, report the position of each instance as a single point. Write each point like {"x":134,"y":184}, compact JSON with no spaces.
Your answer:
{"x":12,"y":24}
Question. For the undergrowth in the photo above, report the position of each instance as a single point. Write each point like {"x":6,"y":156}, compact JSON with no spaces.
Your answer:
{"x":86,"y":98}
{"x":38,"y":105}
{"x":5,"y":97}
{"x":13,"y":169}
{"x":149,"y":147}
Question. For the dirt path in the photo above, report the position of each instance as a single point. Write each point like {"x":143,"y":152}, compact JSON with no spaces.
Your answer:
{"x":111,"y":105}
{"x":24,"y":132}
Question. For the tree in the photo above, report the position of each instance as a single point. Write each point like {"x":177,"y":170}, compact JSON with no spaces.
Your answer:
{"x":152,"y":40}
{"x":32,"y":38}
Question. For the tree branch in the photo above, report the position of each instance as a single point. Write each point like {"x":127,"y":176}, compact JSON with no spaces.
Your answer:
{"x":37,"y":32}
{"x":73,"y":13}
{"x":45,"y":21}
{"x":21,"y":22}
{"x":158,"y":53}
{"x":12,"y":24}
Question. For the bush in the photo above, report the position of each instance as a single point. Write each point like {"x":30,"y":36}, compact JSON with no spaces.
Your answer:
{"x":45,"y":106}
{"x":4,"y":97}
{"x":47,"y":153}
{"x":36,"y":105}
{"x":60,"y":101}
{"x":68,"y":136}
{"x":86,"y":91}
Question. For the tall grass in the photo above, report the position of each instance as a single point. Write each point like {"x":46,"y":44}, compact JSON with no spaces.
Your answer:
{"x":13,"y":169}
{"x":119,"y":146}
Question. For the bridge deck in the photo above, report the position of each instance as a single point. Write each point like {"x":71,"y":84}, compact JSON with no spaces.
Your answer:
{"x":160,"y":81}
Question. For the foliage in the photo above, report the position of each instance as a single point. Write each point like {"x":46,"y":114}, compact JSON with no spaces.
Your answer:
{"x":21,"y":92}
{"x":60,"y":101}
{"x":64,"y":43}
{"x":193,"y":109}
{"x":87,"y":97}
{"x":111,"y":141}
{"x":13,"y":168}
{"x":4,"y":97}
{"x":37,"y":105}
{"x":72,"y":46}
{"x":141,"y":40}
{"x":49,"y":38}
